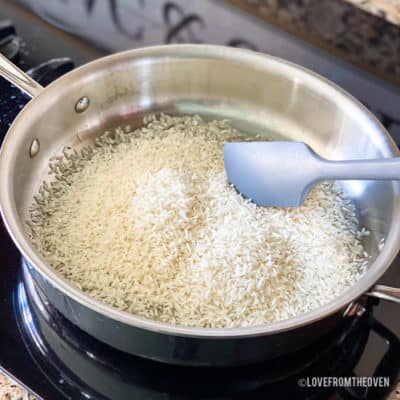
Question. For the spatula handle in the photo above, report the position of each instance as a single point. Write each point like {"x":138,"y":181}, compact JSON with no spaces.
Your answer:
{"x":381,"y":169}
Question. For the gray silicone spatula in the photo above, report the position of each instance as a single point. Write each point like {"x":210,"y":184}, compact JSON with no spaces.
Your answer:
{"x":282,"y":174}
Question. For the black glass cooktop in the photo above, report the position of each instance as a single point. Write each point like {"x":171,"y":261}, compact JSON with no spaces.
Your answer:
{"x":56,"y":360}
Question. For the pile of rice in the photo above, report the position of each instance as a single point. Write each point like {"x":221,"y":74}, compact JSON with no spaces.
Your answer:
{"x":147,"y":222}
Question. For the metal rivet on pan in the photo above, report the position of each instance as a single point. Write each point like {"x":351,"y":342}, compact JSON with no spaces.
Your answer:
{"x":82,"y":104}
{"x":34,"y":149}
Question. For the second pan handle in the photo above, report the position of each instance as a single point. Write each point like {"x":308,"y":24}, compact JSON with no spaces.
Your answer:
{"x":385,"y":292}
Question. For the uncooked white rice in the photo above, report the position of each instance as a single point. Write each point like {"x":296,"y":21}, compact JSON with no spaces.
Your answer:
{"x":147,"y":222}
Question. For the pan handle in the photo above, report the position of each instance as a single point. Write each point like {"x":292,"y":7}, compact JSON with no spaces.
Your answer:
{"x":385,"y":293}
{"x":14,"y":75}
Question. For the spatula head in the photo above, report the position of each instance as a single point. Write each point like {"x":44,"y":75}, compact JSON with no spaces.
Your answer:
{"x":277,"y":174}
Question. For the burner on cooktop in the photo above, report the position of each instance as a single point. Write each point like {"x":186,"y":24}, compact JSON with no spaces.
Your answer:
{"x":82,"y":367}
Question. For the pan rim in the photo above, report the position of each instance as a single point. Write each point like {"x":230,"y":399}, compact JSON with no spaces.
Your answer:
{"x":250,"y":58}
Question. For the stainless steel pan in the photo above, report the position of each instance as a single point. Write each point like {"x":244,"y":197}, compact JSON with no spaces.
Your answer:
{"x":261,"y":95}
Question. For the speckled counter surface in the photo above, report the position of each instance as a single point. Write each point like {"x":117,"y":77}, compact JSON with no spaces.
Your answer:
{"x":395,"y":395}
{"x":386,"y":9}
{"x":343,"y":28}
{"x":10,"y":389}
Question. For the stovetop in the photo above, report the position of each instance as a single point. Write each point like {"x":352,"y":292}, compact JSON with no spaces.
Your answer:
{"x":80,"y":366}
{"x":56,"y":360}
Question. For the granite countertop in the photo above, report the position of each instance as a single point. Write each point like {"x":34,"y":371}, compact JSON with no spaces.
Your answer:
{"x":10,"y":389}
{"x":386,"y":9}
{"x":357,"y":31}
